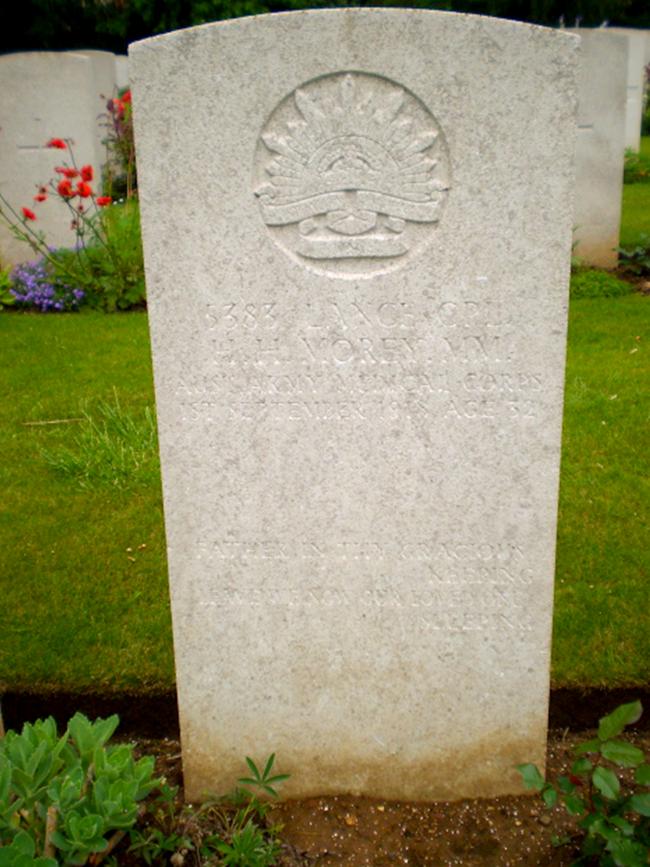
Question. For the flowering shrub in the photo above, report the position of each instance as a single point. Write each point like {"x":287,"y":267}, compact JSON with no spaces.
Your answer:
{"x":120,"y":177}
{"x":104,"y":267}
{"x":34,"y":286}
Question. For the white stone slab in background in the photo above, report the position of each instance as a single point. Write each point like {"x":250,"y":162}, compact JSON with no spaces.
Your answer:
{"x":357,"y":242}
{"x":122,"y":70}
{"x":104,"y":85}
{"x":637,"y":57}
{"x":600,"y":145}
{"x":44,"y":95}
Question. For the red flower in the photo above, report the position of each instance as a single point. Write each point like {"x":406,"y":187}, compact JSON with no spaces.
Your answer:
{"x":56,"y":143}
{"x":64,"y":189}
{"x":41,"y":197}
{"x":126,"y":96}
{"x":27,"y":214}
{"x":102,"y":201}
{"x":86,"y":173}
{"x":84,"y":189}
{"x":66,"y":172}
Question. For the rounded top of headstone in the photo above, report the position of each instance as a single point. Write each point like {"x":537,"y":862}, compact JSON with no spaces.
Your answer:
{"x":298,"y":18}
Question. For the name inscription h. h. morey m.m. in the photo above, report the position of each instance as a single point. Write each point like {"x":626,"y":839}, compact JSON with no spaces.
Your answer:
{"x":357,"y":241}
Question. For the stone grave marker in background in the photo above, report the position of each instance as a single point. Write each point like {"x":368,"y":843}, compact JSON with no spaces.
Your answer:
{"x":357,"y":229}
{"x":638,"y":55}
{"x":45,"y":95}
{"x":121,"y":70}
{"x":600,"y":145}
{"x":104,"y":67}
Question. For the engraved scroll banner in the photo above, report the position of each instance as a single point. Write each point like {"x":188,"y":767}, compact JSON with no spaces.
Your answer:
{"x":351,"y":173}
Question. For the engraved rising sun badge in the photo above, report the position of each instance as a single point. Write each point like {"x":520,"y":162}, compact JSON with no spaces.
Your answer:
{"x":352,"y":172}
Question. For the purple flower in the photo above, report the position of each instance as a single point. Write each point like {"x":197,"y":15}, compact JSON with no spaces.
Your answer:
{"x":34,"y":287}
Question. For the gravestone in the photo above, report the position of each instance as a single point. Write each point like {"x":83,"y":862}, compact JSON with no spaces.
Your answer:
{"x":104,"y":85}
{"x":122,"y":70}
{"x":638,"y":55}
{"x":357,"y":240}
{"x":600,"y":145}
{"x":45,"y":95}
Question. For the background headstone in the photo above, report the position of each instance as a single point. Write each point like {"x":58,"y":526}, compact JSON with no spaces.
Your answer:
{"x":602,"y":86}
{"x":44,"y":95}
{"x":122,"y":70}
{"x":357,"y":242}
{"x":637,"y":57}
{"x":104,"y":70}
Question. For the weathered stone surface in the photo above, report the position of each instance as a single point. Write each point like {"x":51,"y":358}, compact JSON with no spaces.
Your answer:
{"x":600,"y":145}
{"x":357,"y":241}
{"x":45,"y":95}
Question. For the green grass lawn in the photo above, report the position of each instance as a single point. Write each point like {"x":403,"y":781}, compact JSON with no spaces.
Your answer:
{"x":84,"y":604}
{"x":82,"y":564}
{"x":635,"y":217}
{"x":602,"y":617}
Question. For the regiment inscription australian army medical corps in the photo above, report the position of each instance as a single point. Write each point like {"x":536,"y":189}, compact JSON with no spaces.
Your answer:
{"x":343,"y":359}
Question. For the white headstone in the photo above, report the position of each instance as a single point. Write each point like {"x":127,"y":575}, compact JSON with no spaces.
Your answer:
{"x":44,"y":95}
{"x":602,"y":87}
{"x":357,"y":242}
{"x":637,"y":57}
{"x":104,"y":88}
{"x":122,"y":70}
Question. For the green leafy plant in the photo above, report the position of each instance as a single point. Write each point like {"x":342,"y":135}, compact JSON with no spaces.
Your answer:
{"x":232,"y":831}
{"x":21,"y":852}
{"x":248,"y":847}
{"x":247,"y":844}
{"x":67,"y":799}
{"x":160,"y":835}
{"x":614,"y":825}
{"x":636,"y":259}
{"x":261,"y":780}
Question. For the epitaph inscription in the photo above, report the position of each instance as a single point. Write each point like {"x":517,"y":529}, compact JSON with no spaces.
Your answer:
{"x":351,"y":173}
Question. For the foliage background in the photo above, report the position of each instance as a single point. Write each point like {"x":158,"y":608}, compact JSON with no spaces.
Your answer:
{"x":112,"y":24}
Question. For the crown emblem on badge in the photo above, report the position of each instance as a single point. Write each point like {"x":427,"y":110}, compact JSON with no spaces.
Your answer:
{"x":351,"y":162}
